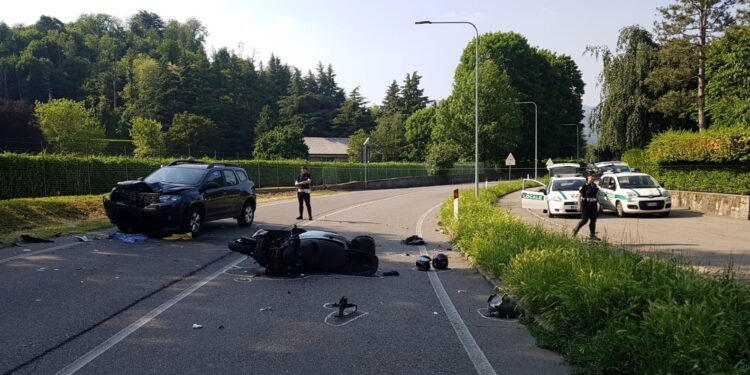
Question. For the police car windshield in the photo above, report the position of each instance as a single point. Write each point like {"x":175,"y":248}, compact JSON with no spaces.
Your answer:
{"x":637,"y":182}
{"x":567,"y":184}
{"x":176,"y":175}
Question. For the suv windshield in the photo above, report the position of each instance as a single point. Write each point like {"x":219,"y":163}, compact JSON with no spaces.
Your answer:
{"x":636,"y":182}
{"x":568,"y":184}
{"x":172,"y":175}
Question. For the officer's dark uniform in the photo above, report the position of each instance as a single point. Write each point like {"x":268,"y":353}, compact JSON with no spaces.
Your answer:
{"x":589,"y":209}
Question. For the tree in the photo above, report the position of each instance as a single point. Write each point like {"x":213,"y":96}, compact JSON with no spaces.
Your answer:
{"x":624,"y":117}
{"x":698,"y":22}
{"x":147,"y":137}
{"x":352,"y":116}
{"x":392,"y":103}
{"x":728,"y":88}
{"x":265,"y":121}
{"x":441,"y":157}
{"x":355,"y":146}
{"x":499,"y":117}
{"x":191,"y":134}
{"x":286,"y":142}
{"x":388,"y":138}
{"x":418,"y":132}
{"x":69,"y":126}
{"x":412,"y":97}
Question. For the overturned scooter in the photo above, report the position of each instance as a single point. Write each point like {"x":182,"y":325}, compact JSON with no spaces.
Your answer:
{"x":291,"y":252}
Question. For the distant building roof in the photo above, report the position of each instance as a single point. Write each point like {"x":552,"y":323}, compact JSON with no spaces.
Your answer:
{"x":327,"y":146}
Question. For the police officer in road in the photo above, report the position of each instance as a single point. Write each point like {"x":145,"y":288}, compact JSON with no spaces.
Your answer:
{"x":587,"y":206}
{"x":303,"y":182}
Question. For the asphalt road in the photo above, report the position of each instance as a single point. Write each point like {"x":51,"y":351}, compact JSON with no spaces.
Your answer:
{"x":109,"y":307}
{"x":709,"y":242}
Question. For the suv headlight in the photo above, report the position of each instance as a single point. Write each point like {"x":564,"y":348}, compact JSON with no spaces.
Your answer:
{"x":631,"y":196}
{"x":666,"y":194}
{"x":167,"y":198}
{"x":556,"y":199}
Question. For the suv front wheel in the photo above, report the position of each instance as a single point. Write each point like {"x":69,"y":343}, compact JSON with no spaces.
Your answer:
{"x":247,"y":215}
{"x":193,"y":221}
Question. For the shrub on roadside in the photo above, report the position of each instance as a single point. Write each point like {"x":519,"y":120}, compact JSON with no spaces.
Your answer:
{"x":722,"y":145}
{"x":607,"y":310}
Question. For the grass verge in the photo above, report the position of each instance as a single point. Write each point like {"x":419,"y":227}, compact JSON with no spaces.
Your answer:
{"x":45,"y":217}
{"x":608,"y":311}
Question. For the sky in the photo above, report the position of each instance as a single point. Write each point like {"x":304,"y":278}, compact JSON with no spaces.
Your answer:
{"x":372,"y":43}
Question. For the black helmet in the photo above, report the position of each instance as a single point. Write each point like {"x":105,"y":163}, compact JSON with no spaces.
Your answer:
{"x":440,"y":262}
{"x":423,"y":263}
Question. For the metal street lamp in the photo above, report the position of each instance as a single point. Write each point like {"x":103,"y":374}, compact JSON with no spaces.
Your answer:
{"x":365,"y":157}
{"x":536,"y":134}
{"x":577,"y":136}
{"x":476,"y":97}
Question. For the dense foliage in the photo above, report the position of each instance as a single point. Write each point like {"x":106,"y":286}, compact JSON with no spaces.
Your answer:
{"x":47,"y":175}
{"x":689,"y":75}
{"x":608,"y":311}
{"x":68,"y":126}
{"x":722,"y":145}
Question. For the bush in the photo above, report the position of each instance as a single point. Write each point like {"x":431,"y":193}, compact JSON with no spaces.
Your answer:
{"x":50,"y":174}
{"x":607,"y":311}
{"x":635,"y":157}
{"x":726,"y":179}
{"x":69,"y":126}
{"x":724,"y":145}
{"x":441,"y":157}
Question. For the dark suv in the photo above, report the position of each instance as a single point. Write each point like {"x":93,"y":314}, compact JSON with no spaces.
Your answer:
{"x":182,"y":195}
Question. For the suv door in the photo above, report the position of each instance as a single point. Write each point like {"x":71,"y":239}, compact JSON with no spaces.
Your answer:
{"x":213,"y":196}
{"x":232,"y":193}
{"x":533,"y":199}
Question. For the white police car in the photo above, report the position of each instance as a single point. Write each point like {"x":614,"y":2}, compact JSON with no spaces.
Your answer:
{"x":633,"y":193}
{"x":560,"y":197}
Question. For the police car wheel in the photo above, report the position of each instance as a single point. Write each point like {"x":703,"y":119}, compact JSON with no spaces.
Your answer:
{"x":620,"y":210}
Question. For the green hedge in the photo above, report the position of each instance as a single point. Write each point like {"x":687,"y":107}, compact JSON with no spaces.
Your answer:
{"x":23,"y":175}
{"x":723,"y":145}
{"x":727,"y":178}
{"x":607,"y":311}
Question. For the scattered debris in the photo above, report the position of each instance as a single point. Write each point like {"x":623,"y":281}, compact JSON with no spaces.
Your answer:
{"x":221,"y":327}
{"x":180,"y":236}
{"x":343,"y":305}
{"x":30,"y":239}
{"x":413,"y":241}
{"x":197,"y":326}
{"x":82,"y":238}
{"x":460,"y":291}
{"x":405,"y":255}
{"x":434,"y":313}
{"x":38,"y":300}
{"x":391,"y":273}
{"x":502,"y":307}
{"x":41,"y":269}
{"x":128,"y":238}
{"x":267,"y":308}
{"x":26,"y":250}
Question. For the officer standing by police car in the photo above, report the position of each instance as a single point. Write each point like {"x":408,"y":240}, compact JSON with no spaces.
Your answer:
{"x":588,"y":206}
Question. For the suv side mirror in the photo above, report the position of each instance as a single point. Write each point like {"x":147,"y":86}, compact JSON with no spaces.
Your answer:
{"x":211,"y":185}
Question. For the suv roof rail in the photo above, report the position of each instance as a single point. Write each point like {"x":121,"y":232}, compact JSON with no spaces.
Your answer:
{"x":223,"y":165}
{"x":186,"y":161}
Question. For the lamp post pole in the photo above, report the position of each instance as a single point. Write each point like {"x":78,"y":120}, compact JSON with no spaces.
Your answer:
{"x":536,"y":136}
{"x":476,"y":96}
{"x":577,"y":136}
{"x":365,"y":157}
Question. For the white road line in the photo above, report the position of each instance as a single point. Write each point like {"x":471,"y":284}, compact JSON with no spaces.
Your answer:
{"x":33,"y":253}
{"x":125,"y":332}
{"x":477,"y":357}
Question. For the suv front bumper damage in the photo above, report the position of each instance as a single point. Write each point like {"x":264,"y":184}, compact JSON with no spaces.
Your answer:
{"x":155,"y":216}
